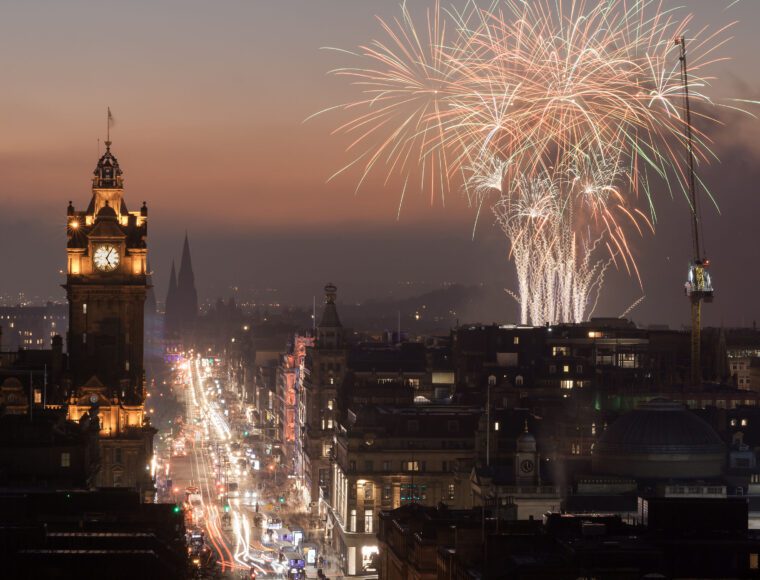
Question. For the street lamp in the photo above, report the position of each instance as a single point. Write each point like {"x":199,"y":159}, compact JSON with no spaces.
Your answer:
{"x":491,"y":383}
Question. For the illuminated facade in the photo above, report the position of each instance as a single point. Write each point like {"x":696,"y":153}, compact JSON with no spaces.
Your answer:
{"x":390,"y":456}
{"x":326,"y":363}
{"x":106,"y":287}
{"x":290,"y":388}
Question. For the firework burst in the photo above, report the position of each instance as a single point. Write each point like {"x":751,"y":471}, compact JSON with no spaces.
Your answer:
{"x":560,"y":114}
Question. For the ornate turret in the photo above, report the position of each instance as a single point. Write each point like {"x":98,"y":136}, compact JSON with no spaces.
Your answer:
{"x":107,"y":174}
{"x":330,"y":330}
{"x":108,"y":184}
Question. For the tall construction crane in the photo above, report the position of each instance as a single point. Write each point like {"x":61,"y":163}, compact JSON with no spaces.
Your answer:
{"x":698,"y":285}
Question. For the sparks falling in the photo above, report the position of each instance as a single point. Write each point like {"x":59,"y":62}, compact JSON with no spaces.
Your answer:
{"x":563,"y":116}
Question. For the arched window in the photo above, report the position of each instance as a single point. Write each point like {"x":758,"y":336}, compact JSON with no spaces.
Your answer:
{"x":519,"y":381}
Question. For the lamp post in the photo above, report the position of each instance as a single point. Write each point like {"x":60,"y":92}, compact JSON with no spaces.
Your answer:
{"x":491,"y":383}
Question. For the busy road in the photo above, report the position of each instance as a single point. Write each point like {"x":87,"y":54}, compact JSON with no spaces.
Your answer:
{"x":211,"y":470}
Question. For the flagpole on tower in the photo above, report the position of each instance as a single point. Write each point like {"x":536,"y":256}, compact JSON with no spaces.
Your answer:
{"x":109,"y":120}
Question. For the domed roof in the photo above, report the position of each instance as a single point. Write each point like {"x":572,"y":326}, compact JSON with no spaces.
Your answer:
{"x":526,"y":443}
{"x":106,"y":224}
{"x":106,"y":212}
{"x":659,"y":427}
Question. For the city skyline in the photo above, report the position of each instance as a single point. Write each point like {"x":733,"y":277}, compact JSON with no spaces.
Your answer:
{"x":267,"y":170}
{"x":321,"y":289}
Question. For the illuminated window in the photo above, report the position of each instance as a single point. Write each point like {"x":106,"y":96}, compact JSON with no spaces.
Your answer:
{"x":566,"y":384}
{"x":332,"y":381}
{"x":84,"y":308}
{"x":496,"y":426}
{"x":519,"y":381}
{"x":452,"y":491}
{"x":627,"y":360}
{"x":65,"y":459}
{"x":368,"y":491}
{"x":331,"y":404}
{"x":411,"y":466}
{"x":754,"y":561}
{"x":516,"y":340}
{"x":565,"y":368}
{"x":744,"y":422}
{"x":367,"y":521}
{"x":594,"y":334}
{"x":329,"y":423}
{"x":352,"y":523}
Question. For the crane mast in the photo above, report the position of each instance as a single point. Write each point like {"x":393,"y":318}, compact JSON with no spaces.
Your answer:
{"x":698,"y":285}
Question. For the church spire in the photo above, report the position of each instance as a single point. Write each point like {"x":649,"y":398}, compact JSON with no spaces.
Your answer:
{"x":186,"y":265}
{"x":187,"y":295}
{"x":170,"y":308}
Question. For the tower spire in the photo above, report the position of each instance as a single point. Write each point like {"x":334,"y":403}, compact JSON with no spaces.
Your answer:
{"x":170,"y":306}
{"x":187,"y":295}
{"x":330,"y":330}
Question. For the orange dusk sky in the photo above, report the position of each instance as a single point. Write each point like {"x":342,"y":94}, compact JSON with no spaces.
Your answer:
{"x":210,"y":100}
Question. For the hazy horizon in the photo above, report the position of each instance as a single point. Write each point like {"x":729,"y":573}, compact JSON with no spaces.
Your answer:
{"x":210,"y":101}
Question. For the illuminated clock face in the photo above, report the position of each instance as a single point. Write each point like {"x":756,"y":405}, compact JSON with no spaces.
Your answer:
{"x":106,"y":258}
{"x":526,"y":466}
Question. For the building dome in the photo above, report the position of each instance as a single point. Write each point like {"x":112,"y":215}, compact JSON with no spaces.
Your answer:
{"x":660,"y":440}
{"x":106,"y":212}
{"x":526,"y":442}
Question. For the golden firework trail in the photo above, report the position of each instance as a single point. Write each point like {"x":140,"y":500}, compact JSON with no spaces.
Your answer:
{"x":562,"y":115}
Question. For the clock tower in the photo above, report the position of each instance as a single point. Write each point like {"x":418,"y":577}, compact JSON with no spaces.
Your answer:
{"x":106,"y":287}
{"x":527,"y":468}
